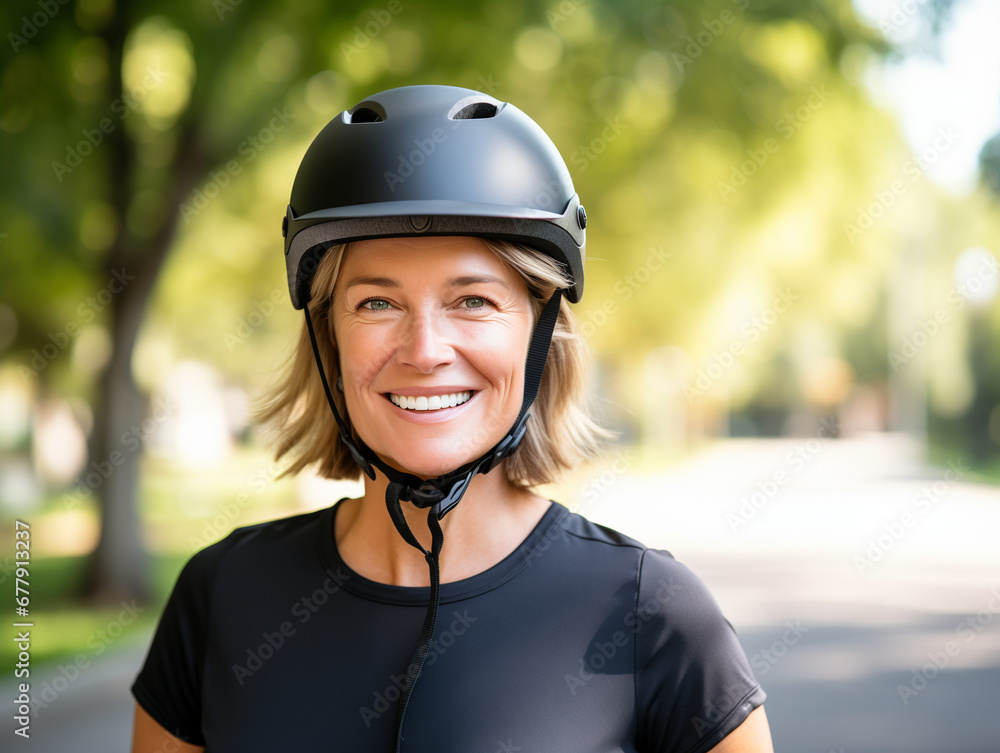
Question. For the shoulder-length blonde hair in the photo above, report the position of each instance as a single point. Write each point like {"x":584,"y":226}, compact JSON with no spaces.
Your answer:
{"x":560,"y":432}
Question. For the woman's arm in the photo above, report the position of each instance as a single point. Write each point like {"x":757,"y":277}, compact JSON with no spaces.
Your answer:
{"x":149,"y":737}
{"x":753,"y":736}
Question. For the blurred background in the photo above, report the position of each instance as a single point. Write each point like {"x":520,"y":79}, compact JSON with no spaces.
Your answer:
{"x":791,"y":297}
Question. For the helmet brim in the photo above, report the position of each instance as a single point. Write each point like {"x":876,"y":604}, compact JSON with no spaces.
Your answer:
{"x":309,"y":236}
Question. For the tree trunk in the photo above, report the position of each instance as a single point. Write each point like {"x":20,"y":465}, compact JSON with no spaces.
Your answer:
{"x":118,"y":567}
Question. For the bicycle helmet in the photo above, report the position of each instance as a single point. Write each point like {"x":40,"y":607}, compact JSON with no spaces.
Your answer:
{"x":432,"y":160}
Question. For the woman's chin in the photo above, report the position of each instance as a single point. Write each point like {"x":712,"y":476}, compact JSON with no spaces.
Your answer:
{"x":431,"y":465}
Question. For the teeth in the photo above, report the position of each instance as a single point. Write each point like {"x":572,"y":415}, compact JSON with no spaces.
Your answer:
{"x":435,"y":402}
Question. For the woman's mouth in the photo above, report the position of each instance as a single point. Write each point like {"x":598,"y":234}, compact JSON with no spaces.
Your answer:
{"x":431,"y":402}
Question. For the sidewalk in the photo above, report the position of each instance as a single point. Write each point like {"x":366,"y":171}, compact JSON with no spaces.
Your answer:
{"x":92,"y":715}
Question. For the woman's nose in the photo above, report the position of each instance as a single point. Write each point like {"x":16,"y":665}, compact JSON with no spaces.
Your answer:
{"x":426,"y":343}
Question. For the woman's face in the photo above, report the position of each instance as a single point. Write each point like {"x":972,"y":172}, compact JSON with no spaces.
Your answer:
{"x":441,"y":326}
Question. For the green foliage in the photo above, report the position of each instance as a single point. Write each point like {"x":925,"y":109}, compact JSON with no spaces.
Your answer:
{"x":66,"y":629}
{"x":659,"y":109}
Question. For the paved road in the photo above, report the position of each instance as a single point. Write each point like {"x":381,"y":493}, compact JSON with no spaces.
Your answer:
{"x":92,"y":714}
{"x":853,"y":566}
{"x":832,"y":640}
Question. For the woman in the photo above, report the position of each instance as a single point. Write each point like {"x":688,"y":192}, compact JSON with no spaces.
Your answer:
{"x":431,"y":236}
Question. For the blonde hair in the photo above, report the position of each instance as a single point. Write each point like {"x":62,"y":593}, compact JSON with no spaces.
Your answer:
{"x":560,"y":432}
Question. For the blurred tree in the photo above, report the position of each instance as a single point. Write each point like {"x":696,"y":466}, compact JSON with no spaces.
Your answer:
{"x":721,"y":149}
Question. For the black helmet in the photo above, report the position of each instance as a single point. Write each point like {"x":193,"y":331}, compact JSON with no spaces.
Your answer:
{"x":432,"y":160}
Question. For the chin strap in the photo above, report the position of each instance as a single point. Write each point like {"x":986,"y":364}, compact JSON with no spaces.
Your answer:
{"x":440,"y":495}
{"x":430,"y":618}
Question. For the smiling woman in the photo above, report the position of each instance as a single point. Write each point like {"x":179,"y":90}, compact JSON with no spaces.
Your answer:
{"x":450,"y":606}
{"x":560,"y":433}
{"x":433,"y":333}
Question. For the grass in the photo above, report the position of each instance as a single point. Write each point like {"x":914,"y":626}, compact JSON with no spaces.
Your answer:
{"x":66,"y":630}
{"x":980,"y":472}
{"x":182,"y":511}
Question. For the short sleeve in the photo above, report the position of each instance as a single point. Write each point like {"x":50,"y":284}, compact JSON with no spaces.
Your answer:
{"x":693,"y":682}
{"x":168,"y":686}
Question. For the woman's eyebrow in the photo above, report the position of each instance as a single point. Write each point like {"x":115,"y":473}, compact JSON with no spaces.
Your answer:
{"x":381,"y":282}
{"x":453,"y":282}
{"x":457,"y":282}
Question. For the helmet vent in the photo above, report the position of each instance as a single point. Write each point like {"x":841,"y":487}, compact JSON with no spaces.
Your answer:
{"x":475,"y":111}
{"x":366,"y":115}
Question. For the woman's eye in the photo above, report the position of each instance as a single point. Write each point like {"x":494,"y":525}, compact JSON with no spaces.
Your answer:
{"x":376,"y":304}
{"x":474,"y":303}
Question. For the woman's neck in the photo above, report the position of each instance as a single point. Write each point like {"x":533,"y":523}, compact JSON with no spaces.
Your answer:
{"x":489,"y":523}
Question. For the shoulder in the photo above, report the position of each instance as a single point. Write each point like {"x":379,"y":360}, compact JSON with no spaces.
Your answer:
{"x":220,"y":582}
{"x":659,"y":578}
{"x":273,"y":532}
{"x":261,"y":545}
{"x":693,"y":684}
{"x":595,"y":538}
{"x":576,"y":526}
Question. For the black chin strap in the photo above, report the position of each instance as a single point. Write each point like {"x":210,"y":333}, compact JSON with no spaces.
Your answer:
{"x":430,"y":618}
{"x":440,"y":495}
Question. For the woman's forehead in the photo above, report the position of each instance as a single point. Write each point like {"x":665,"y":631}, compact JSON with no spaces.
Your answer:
{"x":404,"y":256}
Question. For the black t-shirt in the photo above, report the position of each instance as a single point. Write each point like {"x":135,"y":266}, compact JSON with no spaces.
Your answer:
{"x":582,"y":640}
